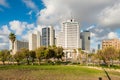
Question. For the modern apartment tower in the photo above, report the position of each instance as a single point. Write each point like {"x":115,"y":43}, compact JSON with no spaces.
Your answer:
{"x":46,"y":37}
{"x":85,"y":36}
{"x":32,"y":41}
{"x":69,"y":37}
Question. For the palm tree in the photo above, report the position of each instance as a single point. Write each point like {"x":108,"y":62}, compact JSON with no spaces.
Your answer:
{"x":12,"y":38}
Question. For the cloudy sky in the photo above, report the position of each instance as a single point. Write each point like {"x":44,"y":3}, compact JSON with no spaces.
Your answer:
{"x":101,"y":17}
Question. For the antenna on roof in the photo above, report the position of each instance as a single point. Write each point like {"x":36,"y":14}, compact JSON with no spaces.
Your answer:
{"x":71,"y":16}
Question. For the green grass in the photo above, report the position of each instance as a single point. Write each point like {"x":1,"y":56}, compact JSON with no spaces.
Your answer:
{"x":53,"y":72}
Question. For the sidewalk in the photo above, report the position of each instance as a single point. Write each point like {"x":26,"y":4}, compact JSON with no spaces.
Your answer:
{"x":100,"y":68}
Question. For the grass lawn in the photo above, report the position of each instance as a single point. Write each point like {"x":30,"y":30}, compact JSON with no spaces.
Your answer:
{"x":53,"y":72}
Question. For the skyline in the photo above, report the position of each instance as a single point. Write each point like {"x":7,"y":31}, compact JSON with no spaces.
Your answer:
{"x":23,"y":17}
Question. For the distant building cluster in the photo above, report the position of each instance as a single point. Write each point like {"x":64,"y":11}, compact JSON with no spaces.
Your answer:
{"x":45,"y":37}
{"x":70,"y":38}
{"x":111,"y":43}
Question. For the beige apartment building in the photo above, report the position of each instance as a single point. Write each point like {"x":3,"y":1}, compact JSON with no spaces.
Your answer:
{"x":18,"y":45}
{"x":111,"y":43}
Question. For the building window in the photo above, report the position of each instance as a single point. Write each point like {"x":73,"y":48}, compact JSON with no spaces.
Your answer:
{"x":89,"y":38}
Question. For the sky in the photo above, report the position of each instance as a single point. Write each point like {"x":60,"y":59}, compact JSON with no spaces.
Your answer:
{"x":22,"y":17}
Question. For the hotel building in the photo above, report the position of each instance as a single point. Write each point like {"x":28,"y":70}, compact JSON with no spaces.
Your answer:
{"x":18,"y":45}
{"x":69,"y":37}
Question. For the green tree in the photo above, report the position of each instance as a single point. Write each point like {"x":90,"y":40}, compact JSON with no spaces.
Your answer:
{"x":12,"y":38}
{"x":26,"y":54}
{"x":59,"y":53}
{"x":79,"y":55}
{"x":18,"y":56}
{"x":107,"y":55}
{"x":33,"y":56}
{"x":40,"y":53}
{"x":118,"y":55}
{"x":4,"y":54}
{"x":49,"y":53}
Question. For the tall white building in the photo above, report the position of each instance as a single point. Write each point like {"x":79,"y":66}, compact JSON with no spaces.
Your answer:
{"x":19,"y":45}
{"x":46,"y":37}
{"x":52,"y":35}
{"x":32,"y":41}
{"x":38,"y":36}
{"x":69,"y":37}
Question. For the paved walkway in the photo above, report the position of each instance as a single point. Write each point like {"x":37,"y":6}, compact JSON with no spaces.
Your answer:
{"x":100,"y":68}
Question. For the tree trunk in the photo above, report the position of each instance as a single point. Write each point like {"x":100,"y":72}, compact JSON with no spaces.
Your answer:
{"x":12,"y":47}
{"x":32,"y":61}
{"x":18,"y":62}
{"x":3,"y":62}
{"x":112,"y":62}
{"x":28,"y":61}
{"x":39,"y":61}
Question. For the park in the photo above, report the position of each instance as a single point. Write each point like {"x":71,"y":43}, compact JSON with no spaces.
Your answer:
{"x":54,"y":72}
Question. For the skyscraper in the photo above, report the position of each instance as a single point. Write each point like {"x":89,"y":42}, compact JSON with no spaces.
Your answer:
{"x":46,"y":37}
{"x":69,"y":37}
{"x":85,"y":36}
{"x":32,"y":41}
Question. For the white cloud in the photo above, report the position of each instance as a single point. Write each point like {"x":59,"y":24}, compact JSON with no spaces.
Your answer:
{"x":30,"y":4}
{"x":91,"y":27}
{"x":4,"y":30}
{"x":109,"y":16}
{"x":30,"y":26}
{"x":82,"y":10}
{"x":19,"y":27}
{"x":85,"y":12}
{"x":93,"y":34}
{"x":4,"y":46}
{"x":99,"y":30}
{"x":4,"y":3}
{"x":53,"y":12}
{"x":112,"y":35}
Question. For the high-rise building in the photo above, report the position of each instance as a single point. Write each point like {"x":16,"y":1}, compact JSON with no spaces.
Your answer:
{"x":52,"y":35}
{"x":69,"y":37}
{"x":111,"y":43}
{"x":19,"y":45}
{"x":46,"y":37}
{"x":98,"y":46}
{"x":38,"y":36}
{"x":85,"y":36}
{"x":32,"y":41}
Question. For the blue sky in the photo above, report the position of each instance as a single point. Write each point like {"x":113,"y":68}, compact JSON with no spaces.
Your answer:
{"x":25,"y":16}
{"x":17,"y":10}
